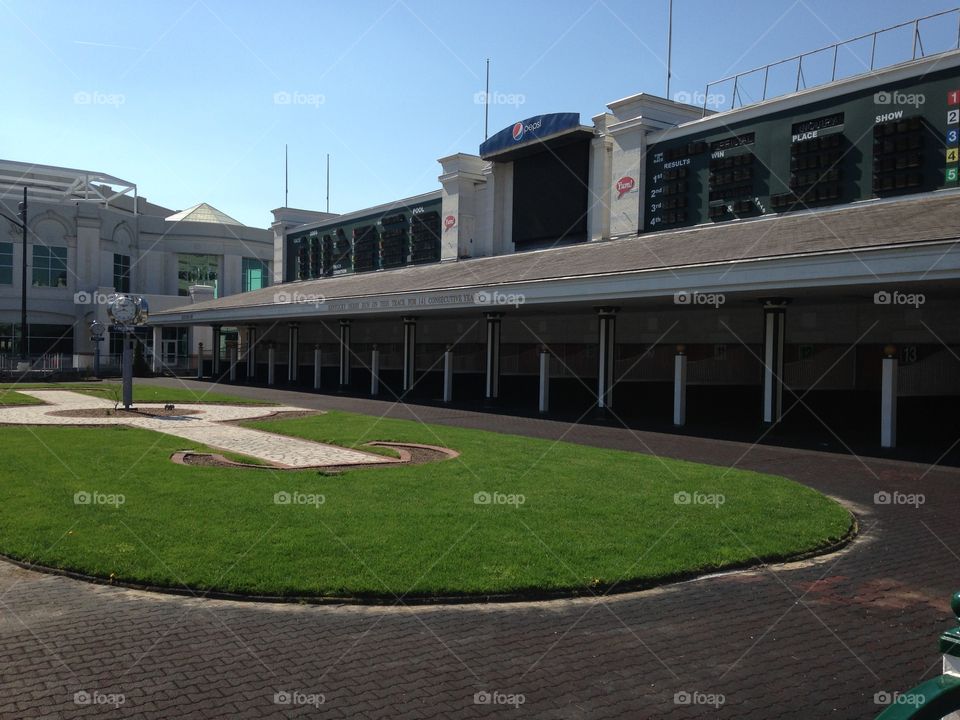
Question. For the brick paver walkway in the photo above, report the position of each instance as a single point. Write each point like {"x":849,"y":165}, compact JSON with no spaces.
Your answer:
{"x":205,"y":427}
{"x":811,"y":640}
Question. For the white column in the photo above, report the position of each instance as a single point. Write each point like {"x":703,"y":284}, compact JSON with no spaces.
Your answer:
{"x":156,"y":365}
{"x":317,"y":368}
{"x":344,"y":353}
{"x":293,"y":352}
{"x":233,"y":362}
{"x":409,"y":352}
{"x":606,"y":356}
{"x":774,"y":332}
{"x":271,"y":365}
{"x":680,"y":387}
{"x":492,"y":390}
{"x":199,"y":361}
{"x":888,"y":399}
{"x":599,"y":179}
{"x":544,"y":404}
{"x":374,"y":371}
{"x":448,"y":375}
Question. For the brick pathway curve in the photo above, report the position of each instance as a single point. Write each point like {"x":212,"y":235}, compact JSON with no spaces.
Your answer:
{"x":813,"y":640}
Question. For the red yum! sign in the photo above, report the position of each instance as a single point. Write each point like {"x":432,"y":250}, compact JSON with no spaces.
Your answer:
{"x":625,"y":185}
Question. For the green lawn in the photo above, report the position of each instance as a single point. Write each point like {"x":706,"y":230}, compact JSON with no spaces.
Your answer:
{"x":12,"y":397}
{"x":154,"y":394}
{"x":589,"y":517}
{"x":141,"y":393}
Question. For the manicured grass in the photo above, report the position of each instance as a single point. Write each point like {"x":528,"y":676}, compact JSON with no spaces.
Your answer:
{"x":589,"y":517}
{"x":141,"y":393}
{"x":155,"y":394}
{"x":12,"y":397}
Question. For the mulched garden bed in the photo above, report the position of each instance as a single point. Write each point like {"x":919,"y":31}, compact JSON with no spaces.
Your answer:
{"x":120,"y":412}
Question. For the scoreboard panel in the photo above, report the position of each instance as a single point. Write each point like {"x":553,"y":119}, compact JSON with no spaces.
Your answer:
{"x":882,"y":141}
{"x":402,"y":235}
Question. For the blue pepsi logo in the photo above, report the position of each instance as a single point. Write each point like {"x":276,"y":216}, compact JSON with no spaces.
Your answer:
{"x":517,"y":131}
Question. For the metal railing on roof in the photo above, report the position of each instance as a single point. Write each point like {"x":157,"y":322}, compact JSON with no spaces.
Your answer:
{"x":800,"y":80}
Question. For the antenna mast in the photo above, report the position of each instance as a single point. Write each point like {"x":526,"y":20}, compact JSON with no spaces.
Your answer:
{"x":669,"y":44}
{"x":486,"y":105}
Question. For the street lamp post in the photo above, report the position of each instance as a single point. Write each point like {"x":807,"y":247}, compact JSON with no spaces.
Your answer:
{"x":96,"y":335}
{"x":126,"y":312}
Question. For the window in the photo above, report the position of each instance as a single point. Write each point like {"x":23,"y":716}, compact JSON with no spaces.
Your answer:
{"x":6,"y":263}
{"x":49,"y":266}
{"x":41,"y":339}
{"x":197,"y":270}
{"x":45,"y":339}
{"x":141,"y":335}
{"x":255,"y":274}
{"x":121,"y":273}
{"x":9,"y":338}
{"x":175,"y":345}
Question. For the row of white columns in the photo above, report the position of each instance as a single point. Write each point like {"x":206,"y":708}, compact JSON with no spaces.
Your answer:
{"x":774,"y":333}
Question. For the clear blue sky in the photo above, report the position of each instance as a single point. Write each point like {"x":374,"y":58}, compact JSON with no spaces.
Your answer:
{"x":181,"y":97}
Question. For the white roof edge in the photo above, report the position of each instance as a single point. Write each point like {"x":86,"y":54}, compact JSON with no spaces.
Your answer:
{"x":57,"y":171}
{"x":373,"y":209}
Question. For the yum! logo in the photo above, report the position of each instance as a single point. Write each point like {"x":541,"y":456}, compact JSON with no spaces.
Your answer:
{"x":625,"y":185}
{"x":519,"y":129}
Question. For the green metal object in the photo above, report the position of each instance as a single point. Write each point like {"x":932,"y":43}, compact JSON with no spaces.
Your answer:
{"x":950,"y":640}
{"x":930,"y":700}
{"x":933,"y":699}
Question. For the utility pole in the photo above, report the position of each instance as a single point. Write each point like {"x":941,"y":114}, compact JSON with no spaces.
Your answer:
{"x":669,"y":44}
{"x":486,"y":105}
{"x":23,"y":280}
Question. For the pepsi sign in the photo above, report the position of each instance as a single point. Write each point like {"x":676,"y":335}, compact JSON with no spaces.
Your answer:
{"x":528,"y":130}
